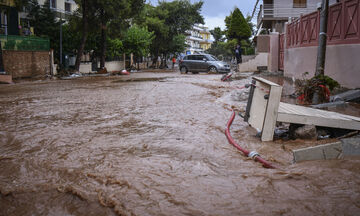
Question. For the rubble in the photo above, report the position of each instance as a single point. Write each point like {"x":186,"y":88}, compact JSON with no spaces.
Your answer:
{"x":351,"y":95}
{"x":345,"y":148}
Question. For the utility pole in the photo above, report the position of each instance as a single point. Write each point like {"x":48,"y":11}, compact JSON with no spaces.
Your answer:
{"x":320,"y":61}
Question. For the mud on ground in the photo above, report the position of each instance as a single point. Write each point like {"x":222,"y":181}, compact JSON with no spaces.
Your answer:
{"x":153,"y":144}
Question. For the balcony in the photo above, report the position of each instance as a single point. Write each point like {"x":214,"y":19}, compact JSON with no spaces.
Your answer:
{"x":282,"y":12}
{"x":193,"y":38}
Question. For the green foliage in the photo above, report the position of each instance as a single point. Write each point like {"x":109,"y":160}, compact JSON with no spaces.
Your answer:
{"x":251,"y":25}
{"x":9,"y":45}
{"x":237,"y":26}
{"x":218,"y":34}
{"x":115,"y":48}
{"x":45,"y":24}
{"x":306,"y":88}
{"x":178,"y":44}
{"x":169,"y":21}
{"x":220,"y":50}
{"x":137,"y":41}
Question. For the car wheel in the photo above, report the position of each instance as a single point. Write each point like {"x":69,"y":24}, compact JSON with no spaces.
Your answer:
{"x":183,"y":69}
{"x":212,"y":69}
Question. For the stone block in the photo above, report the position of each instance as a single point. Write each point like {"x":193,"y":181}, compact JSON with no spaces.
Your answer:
{"x":321,"y":152}
{"x":6,"y":79}
{"x":351,"y":146}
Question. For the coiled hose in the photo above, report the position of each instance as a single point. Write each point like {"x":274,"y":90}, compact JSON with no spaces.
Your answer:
{"x":253,"y":154}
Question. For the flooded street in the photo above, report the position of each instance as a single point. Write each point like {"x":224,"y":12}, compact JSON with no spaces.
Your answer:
{"x":153,"y":144}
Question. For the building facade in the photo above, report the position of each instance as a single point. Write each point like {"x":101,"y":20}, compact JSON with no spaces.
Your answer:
{"x":273,"y":14}
{"x":198,"y":39}
{"x":15,"y":22}
{"x":63,"y":8}
{"x":9,"y":18}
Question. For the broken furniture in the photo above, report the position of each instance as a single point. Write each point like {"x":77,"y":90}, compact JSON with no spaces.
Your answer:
{"x":264,"y":109}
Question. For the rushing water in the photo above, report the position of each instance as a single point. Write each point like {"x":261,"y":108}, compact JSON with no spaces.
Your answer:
{"x":153,"y":144}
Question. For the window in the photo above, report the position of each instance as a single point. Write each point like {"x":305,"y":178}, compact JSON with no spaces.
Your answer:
{"x":52,"y":3}
{"x":200,"y":57}
{"x":299,"y":3}
{"x":67,"y":7}
{"x":190,"y":57}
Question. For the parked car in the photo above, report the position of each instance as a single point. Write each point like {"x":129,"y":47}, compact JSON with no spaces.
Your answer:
{"x":203,"y":63}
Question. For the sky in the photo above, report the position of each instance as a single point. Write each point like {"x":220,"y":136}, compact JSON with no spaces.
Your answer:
{"x":215,"y":11}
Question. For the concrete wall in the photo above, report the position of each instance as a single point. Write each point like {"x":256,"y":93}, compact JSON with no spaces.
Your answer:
{"x":111,"y":66}
{"x":261,"y":59}
{"x":342,"y":63}
{"x":263,"y":43}
{"x":273,"y":61}
{"x":22,"y":64}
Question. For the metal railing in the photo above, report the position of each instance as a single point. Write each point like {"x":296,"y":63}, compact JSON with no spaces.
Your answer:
{"x":19,"y":43}
{"x":281,"y":10}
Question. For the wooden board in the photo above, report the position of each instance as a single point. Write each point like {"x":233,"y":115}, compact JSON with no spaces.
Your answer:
{"x":290,"y":113}
{"x":258,"y":106}
{"x":271,"y":113}
{"x":263,"y":112}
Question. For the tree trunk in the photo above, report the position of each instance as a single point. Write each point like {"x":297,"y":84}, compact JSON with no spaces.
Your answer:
{"x":103,"y":40}
{"x":85,"y":33}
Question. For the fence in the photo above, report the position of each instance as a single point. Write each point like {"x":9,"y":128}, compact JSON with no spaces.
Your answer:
{"x":343,"y":26}
{"x":19,"y":43}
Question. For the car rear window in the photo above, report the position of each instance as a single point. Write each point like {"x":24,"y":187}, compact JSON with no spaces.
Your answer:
{"x":186,"y":58}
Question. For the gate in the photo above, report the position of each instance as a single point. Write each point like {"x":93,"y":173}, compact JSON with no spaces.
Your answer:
{"x":281,"y":51}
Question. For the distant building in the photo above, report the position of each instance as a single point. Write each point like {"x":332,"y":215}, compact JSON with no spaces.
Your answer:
{"x":15,"y":22}
{"x":198,"y":39}
{"x":272,"y":14}
{"x":63,"y":8}
{"x":9,"y":18}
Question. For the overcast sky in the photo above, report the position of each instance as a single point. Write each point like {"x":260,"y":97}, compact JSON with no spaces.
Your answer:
{"x":215,"y":11}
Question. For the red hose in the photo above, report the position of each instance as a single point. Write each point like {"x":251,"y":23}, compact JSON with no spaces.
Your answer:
{"x":246,"y":152}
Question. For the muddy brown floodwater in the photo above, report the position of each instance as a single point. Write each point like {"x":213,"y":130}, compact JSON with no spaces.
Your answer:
{"x":152,"y":144}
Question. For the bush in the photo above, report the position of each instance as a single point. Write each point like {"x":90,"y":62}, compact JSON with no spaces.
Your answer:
{"x":322,"y":84}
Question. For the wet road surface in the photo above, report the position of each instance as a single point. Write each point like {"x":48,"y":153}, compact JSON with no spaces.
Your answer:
{"x":153,"y":144}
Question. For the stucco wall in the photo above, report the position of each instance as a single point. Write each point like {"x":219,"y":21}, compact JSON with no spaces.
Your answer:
{"x":22,"y":64}
{"x":342,"y":63}
{"x":261,"y":59}
{"x":263,"y":43}
{"x":273,"y":61}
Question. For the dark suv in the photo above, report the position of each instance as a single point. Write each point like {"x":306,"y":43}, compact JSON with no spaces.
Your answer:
{"x":203,"y":62}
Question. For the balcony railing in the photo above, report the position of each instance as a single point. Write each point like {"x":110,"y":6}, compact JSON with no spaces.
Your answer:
{"x":268,"y":11}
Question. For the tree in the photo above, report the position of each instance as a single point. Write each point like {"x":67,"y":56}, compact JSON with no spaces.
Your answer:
{"x":237,"y":26}
{"x":102,"y":14}
{"x":169,"y":21}
{"x":115,"y":10}
{"x":250,"y":24}
{"x":85,"y":10}
{"x":44,"y":22}
{"x":137,"y":41}
{"x":218,"y":35}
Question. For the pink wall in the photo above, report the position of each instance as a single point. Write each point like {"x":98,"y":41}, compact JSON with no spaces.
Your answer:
{"x":343,"y":44}
{"x":342,"y":63}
